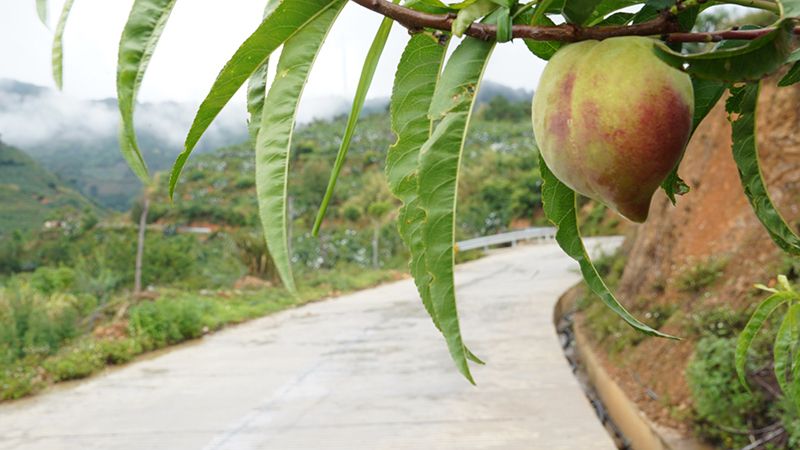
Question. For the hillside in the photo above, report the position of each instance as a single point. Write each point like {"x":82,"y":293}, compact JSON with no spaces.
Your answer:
{"x":77,"y":139}
{"x":29,"y":193}
{"x":690,"y":271}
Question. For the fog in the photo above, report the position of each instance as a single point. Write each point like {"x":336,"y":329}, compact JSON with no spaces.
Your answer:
{"x":31,"y":116}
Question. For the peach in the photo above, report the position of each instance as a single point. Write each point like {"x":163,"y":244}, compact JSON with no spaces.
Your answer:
{"x":611,"y":120}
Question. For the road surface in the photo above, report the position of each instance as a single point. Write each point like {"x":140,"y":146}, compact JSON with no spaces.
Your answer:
{"x":362,"y":371}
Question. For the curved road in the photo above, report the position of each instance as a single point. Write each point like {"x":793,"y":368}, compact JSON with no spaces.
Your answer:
{"x":363,"y":371}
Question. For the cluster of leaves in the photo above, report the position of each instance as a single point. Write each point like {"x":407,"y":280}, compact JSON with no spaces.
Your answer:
{"x":432,"y":105}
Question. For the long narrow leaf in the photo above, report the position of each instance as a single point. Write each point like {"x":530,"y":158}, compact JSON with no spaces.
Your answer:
{"x":440,"y":160}
{"x":367,"y":73}
{"x":706,"y":94}
{"x":41,"y":9}
{"x":413,"y":88}
{"x":785,"y":342}
{"x":256,"y":96}
{"x":58,"y":45}
{"x":288,"y":19}
{"x":560,"y":208}
{"x":275,"y":137}
{"x":753,"y":325}
{"x":144,"y":28}
{"x":745,"y":154}
{"x":257,"y":87}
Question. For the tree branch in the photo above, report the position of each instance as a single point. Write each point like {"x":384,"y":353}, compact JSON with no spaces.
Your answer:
{"x":665,"y":26}
{"x":746,"y":35}
{"x":569,"y":32}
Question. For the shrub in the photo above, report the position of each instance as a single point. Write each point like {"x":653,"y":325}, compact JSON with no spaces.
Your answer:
{"x":702,"y":275}
{"x":720,"y":399}
{"x":165,"y":322}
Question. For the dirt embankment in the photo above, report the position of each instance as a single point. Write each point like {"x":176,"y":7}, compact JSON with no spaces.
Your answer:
{"x":714,"y":222}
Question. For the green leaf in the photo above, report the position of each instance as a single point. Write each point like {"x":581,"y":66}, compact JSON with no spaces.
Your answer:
{"x":289,"y":18}
{"x":542,"y":49}
{"x":650,"y":10}
{"x":275,"y":137}
{"x":616,"y":20}
{"x":440,"y":159}
{"x":753,"y":325}
{"x":41,"y":9}
{"x":58,"y":50}
{"x":745,"y":154}
{"x":607,"y":7}
{"x":789,"y":8}
{"x":257,"y":87}
{"x":133,"y":158}
{"x":791,"y":77}
{"x":755,"y":60}
{"x":560,"y":208}
{"x":414,"y":84}
{"x":785,"y":342}
{"x":503,"y":25}
{"x":579,"y":11}
{"x":367,"y":73}
{"x":470,"y":14}
{"x":706,"y":94}
{"x":256,"y":96}
{"x":145,"y":25}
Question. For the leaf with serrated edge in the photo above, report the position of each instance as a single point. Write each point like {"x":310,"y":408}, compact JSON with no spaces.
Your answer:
{"x":755,"y":60}
{"x":145,"y":25}
{"x":560,"y":208}
{"x":753,"y":325}
{"x":413,"y":88}
{"x":706,"y":94}
{"x":440,"y":159}
{"x":745,"y":154}
{"x":257,"y":87}
{"x":275,"y":137}
{"x":364,"y":82}
{"x":58,"y":45}
{"x":289,"y":18}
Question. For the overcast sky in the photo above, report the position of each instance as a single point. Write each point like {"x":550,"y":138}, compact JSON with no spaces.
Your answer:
{"x":200,"y":37}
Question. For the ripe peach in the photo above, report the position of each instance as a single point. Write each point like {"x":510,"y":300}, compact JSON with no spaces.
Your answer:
{"x":611,"y":120}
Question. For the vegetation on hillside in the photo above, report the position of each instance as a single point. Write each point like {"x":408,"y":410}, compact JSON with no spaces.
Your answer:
{"x":30,"y":195}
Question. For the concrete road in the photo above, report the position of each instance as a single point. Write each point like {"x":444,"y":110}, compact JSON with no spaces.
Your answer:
{"x":363,"y":371}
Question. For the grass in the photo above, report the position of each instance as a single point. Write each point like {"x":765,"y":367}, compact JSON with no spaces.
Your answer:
{"x":176,"y":316}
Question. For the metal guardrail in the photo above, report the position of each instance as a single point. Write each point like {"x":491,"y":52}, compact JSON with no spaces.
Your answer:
{"x":540,"y":233}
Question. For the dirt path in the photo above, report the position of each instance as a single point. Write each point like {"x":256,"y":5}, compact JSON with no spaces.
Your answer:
{"x":364,"y":371}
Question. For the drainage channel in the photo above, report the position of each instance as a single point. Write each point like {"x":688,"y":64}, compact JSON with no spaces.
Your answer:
{"x":566,"y":337}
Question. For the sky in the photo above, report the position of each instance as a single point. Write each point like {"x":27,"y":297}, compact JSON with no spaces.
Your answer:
{"x":199,"y":39}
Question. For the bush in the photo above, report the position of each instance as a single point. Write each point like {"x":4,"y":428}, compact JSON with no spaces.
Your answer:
{"x":702,"y":275}
{"x":720,"y":399}
{"x":48,"y":280}
{"x":34,"y":324}
{"x":165,"y":322}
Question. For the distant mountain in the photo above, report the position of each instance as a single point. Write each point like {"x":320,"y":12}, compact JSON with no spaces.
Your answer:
{"x":77,"y":139}
{"x":29,"y":193}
